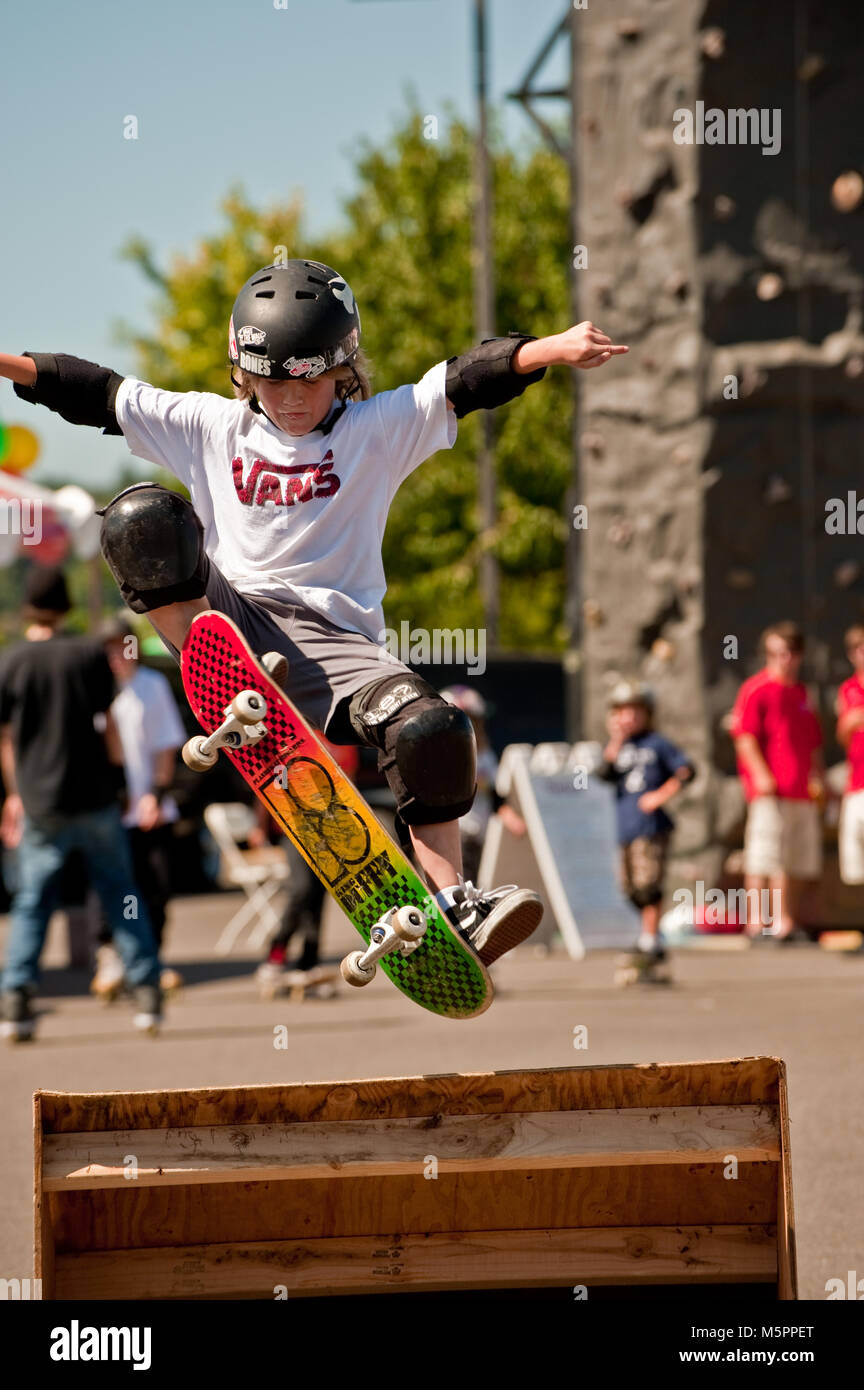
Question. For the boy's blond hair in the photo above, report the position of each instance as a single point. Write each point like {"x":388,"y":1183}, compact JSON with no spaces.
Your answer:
{"x":347,"y":384}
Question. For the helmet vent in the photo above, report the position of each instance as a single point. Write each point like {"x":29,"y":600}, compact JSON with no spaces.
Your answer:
{"x":305,"y":294}
{"x":262,"y":280}
{"x":315,"y":280}
{"x":266,"y":294}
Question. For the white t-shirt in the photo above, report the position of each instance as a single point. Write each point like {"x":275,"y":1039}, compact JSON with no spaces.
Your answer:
{"x":298,"y":520}
{"x":148,"y":722}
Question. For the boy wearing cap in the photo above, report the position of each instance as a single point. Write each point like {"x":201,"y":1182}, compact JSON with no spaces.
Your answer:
{"x":647,"y":770}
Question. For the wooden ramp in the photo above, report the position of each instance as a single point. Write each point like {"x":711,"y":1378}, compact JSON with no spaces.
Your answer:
{"x":660,"y":1174}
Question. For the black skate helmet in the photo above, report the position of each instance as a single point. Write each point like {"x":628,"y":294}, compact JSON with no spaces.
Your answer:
{"x":297,"y":319}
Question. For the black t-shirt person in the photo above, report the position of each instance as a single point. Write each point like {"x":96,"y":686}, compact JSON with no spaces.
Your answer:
{"x":50,"y":692}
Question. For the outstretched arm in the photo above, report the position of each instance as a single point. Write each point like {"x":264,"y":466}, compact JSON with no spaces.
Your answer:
{"x":584,"y":346}
{"x":82,"y":392}
{"x":499,"y":369}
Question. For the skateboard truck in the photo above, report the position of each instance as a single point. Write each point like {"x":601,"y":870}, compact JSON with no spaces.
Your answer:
{"x":243,"y":725}
{"x":400,"y":929}
{"x":242,"y":720}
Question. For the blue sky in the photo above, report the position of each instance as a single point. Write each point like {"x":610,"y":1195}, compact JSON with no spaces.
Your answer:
{"x":225,"y":92}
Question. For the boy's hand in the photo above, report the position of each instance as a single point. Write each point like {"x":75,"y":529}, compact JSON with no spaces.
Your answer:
{"x":149,"y":813}
{"x":581,"y":346}
{"x":763,"y":782}
{"x":617,"y":736}
{"x":650,"y":801}
{"x":513,"y":821}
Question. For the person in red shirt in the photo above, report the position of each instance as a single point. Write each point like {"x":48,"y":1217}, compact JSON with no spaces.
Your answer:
{"x":850,"y":733}
{"x":778,"y":743}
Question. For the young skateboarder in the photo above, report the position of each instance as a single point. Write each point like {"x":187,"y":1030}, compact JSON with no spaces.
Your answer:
{"x":290,"y":486}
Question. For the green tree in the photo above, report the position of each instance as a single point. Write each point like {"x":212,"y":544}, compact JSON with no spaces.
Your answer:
{"x":405,"y":247}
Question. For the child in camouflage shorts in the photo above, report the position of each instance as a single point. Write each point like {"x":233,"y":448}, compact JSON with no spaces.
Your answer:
{"x":647,"y":771}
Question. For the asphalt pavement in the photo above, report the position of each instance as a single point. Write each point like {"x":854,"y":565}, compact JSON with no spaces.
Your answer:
{"x":800,"y":1003}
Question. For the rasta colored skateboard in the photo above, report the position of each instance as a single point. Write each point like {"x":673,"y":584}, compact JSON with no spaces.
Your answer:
{"x":242,"y":709}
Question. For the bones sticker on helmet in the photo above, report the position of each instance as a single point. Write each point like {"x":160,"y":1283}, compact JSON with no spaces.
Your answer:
{"x":250,"y":336}
{"x":305,"y":366}
{"x":251,"y":362}
{"x":343,"y":292}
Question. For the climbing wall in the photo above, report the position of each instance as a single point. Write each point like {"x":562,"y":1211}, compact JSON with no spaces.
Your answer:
{"x":709,"y":453}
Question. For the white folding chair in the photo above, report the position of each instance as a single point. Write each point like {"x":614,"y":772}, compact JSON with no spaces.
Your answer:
{"x":259,"y":872}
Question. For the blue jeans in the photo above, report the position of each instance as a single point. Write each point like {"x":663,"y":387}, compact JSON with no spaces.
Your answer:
{"x":102,"y":839}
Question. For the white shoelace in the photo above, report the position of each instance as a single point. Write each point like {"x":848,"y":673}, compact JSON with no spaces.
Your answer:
{"x":474,"y":896}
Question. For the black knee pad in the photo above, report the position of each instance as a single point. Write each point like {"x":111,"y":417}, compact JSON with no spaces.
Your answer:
{"x":153,"y":543}
{"x":646,"y":897}
{"x":427,"y":749}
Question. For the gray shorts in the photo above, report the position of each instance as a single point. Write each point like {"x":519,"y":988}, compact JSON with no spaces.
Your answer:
{"x":325,"y":663}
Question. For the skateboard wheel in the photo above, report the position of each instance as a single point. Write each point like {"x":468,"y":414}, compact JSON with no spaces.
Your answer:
{"x":355,"y":974}
{"x":195,"y":756}
{"x":249,"y":707}
{"x":409,"y":923}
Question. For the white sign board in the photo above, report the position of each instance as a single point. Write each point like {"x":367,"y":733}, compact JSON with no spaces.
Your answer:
{"x":570,"y":820}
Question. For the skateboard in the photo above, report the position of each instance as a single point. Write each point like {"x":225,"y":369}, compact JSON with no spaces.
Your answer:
{"x":243,"y":711}
{"x":642,"y":968}
{"x":317,"y":982}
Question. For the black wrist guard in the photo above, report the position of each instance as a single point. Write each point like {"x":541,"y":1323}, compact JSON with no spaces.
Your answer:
{"x":484,"y":378}
{"x":82,"y":392}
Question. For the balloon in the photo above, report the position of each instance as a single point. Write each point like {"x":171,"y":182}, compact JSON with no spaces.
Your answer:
{"x":20,"y":448}
{"x":77,"y":510}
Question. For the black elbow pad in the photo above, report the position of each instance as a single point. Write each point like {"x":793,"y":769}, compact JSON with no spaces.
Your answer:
{"x":82,"y":392}
{"x":484,"y":378}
